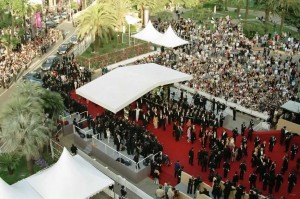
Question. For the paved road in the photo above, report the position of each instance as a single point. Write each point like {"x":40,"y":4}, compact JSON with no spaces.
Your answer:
{"x":5,"y":94}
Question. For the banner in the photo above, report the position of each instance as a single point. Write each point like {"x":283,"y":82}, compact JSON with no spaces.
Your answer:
{"x":38,"y":20}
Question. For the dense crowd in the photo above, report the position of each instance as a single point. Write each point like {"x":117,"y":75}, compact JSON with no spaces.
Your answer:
{"x":22,"y":56}
{"x":224,"y":63}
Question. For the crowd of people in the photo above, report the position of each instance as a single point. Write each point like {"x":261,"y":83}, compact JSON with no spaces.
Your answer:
{"x":21,"y":57}
{"x":224,"y":63}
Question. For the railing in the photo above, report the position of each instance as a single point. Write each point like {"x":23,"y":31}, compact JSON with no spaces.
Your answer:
{"x":117,"y":154}
{"x":101,"y":61}
{"x":223,"y":101}
{"x":72,"y":116}
{"x":117,"y":178}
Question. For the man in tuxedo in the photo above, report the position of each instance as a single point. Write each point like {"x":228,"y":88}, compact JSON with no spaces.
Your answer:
{"x":294,"y":151}
{"x":221,"y":119}
{"x":243,"y":169}
{"x":243,"y":128}
{"x":191,"y":156}
{"x":226,"y":167}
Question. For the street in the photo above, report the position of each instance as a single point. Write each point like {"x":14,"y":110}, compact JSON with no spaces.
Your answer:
{"x":66,"y":26}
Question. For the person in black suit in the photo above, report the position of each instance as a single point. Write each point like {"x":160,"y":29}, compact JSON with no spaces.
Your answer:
{"x":292,"y":180}
{"x":272,"y":142}
{"x":226,"y":167}
{"x":252,"y":180}
{"x":221,"y":119}
{"x":282,"y":135}
{"x":278,"y":182}
{"x":243,"y":128}
{"x":191,"y":156}
{"x":243,"y":169}
{"x":234,"y":113}
{"x":294,"y":151}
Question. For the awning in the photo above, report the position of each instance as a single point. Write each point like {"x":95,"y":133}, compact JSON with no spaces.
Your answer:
{"x":149,"y":33}
{"x":122,"y":86}
{"x":292,"y":106}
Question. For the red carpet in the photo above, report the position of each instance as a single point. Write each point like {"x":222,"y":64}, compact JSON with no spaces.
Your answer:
{"x":179,"y":151}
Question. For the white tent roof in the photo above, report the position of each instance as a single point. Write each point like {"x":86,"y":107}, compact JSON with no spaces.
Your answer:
{"x":149,"y":33}
{"x":169,"y":39}
{"x":19,"y":190}
{"x":292,"y":106}
{"x":120,"y":87}
{"x":71,"y":177}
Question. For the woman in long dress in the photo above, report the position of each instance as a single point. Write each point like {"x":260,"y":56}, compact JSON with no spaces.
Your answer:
{"x":155,"y":120}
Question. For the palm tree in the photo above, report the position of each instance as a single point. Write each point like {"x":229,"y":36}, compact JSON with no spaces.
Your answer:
{"x":98,"y":21}
{"x":239,"y":4}
{"x":10,"y":161}
{"x":23,"y":129}
{"x":284,"y":7}
{"x":268,"y":6}
{"x":120,"y":9}
{"x":52,"y":103}
{"x":247,"y":9}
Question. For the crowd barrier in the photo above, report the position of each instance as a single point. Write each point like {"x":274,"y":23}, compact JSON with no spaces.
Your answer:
{"x":110,"y":151}
{"x":223,"y":101}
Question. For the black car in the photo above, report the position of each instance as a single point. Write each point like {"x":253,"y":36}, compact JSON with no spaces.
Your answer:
{"x":34,"y":76}
{"x":64,"y":48}
{"x":51,"y":24}
{"x":50,"y":63}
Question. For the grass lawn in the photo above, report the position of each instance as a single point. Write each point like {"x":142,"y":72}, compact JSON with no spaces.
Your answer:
{"x":260,"y":26}
{"x":234,"y":15}
{"x":108,"y":47}
{"x":21,"y":171}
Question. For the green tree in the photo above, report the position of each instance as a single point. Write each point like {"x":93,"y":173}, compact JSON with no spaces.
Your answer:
{"x":269,"y":6}
{"x":238,"y":4}
{"x":52,"y":103}
{"x":24,"y":128}
{"x":287,"y":7}
{"x":99,"y":22}
{"x":120,"y":9}
{"x":247,"y":9}
{"x":10,"y":162}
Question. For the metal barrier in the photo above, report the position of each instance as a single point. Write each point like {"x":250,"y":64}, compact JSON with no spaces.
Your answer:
{"x":117,"y":154}
{"x":70,"y":117}
{"x":117,"y":178}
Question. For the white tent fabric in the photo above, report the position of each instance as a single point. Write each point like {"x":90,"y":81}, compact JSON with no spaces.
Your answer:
{"x":169,"y":39}
{"x":20,"y":190}
{"x":149,"y":33}
{"x":292,"y":106}
{"x":131,"y":20}
{"x":71,"y":177}
{"x":120,"y":87}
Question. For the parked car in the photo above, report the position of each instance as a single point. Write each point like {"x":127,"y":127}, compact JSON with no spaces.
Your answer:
{"x":34,"y":76}
{"x":58,"y":19}
{"x":50,"y":63}
{"x":64,"y":48}
{"x":74,"y":39}
{"x":51,"y":24}
{"x":64,"y":15}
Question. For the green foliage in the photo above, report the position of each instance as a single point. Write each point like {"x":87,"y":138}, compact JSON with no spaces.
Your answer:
{"x":74,"y":5}
{"x":52,"y":103}
{"x":24,"y":128}
{"x":250,"y":29}
{"x":164,"y":15}
{"x":9,"y":162}
{"x":99,"y":21}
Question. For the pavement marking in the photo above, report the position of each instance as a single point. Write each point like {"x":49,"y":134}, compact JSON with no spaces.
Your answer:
{"x":40,"y":60}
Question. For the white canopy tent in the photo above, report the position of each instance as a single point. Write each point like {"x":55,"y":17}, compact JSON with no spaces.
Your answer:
{"x":292,"y":106}
{"x":132,"y":20}
{"x":120,"y":87}
{"x":71,"y":177}
{"x":149,"y":33}
{"x":20,"y":190}
{"x":169,"y":39}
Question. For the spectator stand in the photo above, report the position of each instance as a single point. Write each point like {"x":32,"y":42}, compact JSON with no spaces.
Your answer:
{"x":126,"y":165}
